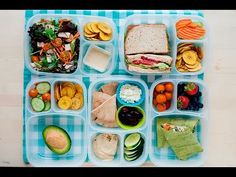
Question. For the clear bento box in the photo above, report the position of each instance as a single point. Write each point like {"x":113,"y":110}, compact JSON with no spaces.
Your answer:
{"x":43,"y":111}
{"x":67,"y":65}
{"x":173,"y":42}
{"x":97,"y":117}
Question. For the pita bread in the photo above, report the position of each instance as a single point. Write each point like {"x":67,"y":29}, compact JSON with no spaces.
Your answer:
{"x":105,"y":114}
{"x":110,"y":88}
{"x":99,"y":98}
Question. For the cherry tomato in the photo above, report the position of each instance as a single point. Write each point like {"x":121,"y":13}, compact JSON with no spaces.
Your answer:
{"x":33,"y":93}
{"x":35,"y":58}
{"x":46,"y":97}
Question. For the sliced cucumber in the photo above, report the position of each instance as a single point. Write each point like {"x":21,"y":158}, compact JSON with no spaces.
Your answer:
{"x":131,"y":158}
{"x":47,"y":106}
{"x":40,"y":97}
{"x":37,"y":104}
{"x":43,"y":87}
{"x":132,"y":140}
{"x":141,"y":142}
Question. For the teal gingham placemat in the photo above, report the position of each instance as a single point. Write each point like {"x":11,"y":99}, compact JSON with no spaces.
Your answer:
{"x":117,"y":16}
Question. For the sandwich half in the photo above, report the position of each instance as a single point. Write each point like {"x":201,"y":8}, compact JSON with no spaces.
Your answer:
{"x":149,"y":63}
{"x":146,"y":38}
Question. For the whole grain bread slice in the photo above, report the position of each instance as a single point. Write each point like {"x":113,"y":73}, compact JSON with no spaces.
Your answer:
{"x":146,"y":38}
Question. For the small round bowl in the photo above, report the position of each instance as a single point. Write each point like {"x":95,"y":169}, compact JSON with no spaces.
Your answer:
{"x":127,"y":127}
{"x":122,"y":102}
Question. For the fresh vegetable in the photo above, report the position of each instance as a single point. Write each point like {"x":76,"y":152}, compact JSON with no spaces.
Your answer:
{"x":133,"y":146}
{"x":47,"y":106}
{"x":192,"y":92}
{"x":33,"y":93}
{"x":49,"y":43}
{"x":37,"y":104}
{"x":56,"y":139}
{"x":130,"y":116}
{"x":161,"y":107}
{"x":161,"y":98}
{"x":187,"y":29}
{"x":168,"y":96}
{"x":191,"y":88}
{"x":169,"y":87}
{"x":182,"y":102}
{"x":160,"y":88}
{"x":43,"y":87}
{"x":46,"y":97}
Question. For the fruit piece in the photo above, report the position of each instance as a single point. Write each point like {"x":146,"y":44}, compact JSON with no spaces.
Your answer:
{"x":90,"y":35}
{"x":199,"y":52}
{"x":35,"y":58}
{"x":161,"y":107}
{"x":104,"y":36}
{"x":43,"y":87}
{"x":105,"y":28}
{"x":169,"y":87}
{"x":76,"y":103}
{"x":196,"y":69}
{"x":37,"y":104}
{"x":154,"y":102}
{"x":57,"y":92}
{"x":65,"y":102}
{"x":33,"y":93}
{"x":168,"y":104}
{"x":68,"y":84}
{"x":191,"y":88}
{"x":182,"y":102}
{"x":94,"y":27}
{"x":161,"y":98}
{"x":193,"y":66}
{"x":190,"y":57}
{"x":46,"y":97}
{"x":79,"y":88}
{"x":79,"y":95}
{"x":56,"y":139}
{"x":68,"y":91}
{"x":168,"y":96}
{"x":88,"y":26}
{"x":160,"y":88}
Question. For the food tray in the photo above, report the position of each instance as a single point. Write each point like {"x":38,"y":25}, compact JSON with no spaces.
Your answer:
{"x":95,"y":128}
{"x":79,"y":122}
{"x":80,"y":20}
{"x":170,"y":21}
{"x":165,"y":156}
{"x":74,"y":122}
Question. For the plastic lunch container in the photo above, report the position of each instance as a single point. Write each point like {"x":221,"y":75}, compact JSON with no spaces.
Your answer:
{"x":80,"y":20}
{"x":74,"y":122}
{"x":169,"y":20}
{"x":165,"y":156}
{"x":79,"y":124}
{"x":95,"y":129}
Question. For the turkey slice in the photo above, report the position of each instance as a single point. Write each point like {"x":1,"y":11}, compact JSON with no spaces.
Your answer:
{"x":110,"y":88}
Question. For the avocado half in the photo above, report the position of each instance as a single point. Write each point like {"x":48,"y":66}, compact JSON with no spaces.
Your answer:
{"x":55,"y":131}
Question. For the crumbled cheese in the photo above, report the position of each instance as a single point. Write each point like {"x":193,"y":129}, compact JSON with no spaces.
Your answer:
{"x":33,"y":65}
{"x":49,"y":58}
{"x":40,"y":44}
{"x":64,"y":34}
{"x":130,"y":93}
{"x":67,"y":47}
{"x":68,"y":66}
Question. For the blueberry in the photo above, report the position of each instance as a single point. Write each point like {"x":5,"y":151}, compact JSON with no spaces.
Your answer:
{"x":200,"y":105}
{"x":200,"y":94}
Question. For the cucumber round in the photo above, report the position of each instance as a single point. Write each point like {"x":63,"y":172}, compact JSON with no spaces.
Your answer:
{"x":37,"y":104}
{"x":132,"y":140}
{"x":43,"y":87}
{"x":47,"y":106}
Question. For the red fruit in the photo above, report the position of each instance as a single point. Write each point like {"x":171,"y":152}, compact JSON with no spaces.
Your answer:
{"x":182,"y":102}
{"x":46,"y":97}
{"x":167,"y":104}
{"x":191,"y":88}
{"x":33,"y":93}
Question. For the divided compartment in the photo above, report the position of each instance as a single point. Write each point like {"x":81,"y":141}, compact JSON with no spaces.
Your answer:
{"x":40,"y":155}
{"x":96,"y":85}
{"x":80,"y":21}
{"x":54,"y":107}
{"x":169,"y":20}
{"x":165,"y":156}
{"x":203,"y":43}
{"x":173,"y":107}
{"x":119,"y":157}
{"x":149,"y":19}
